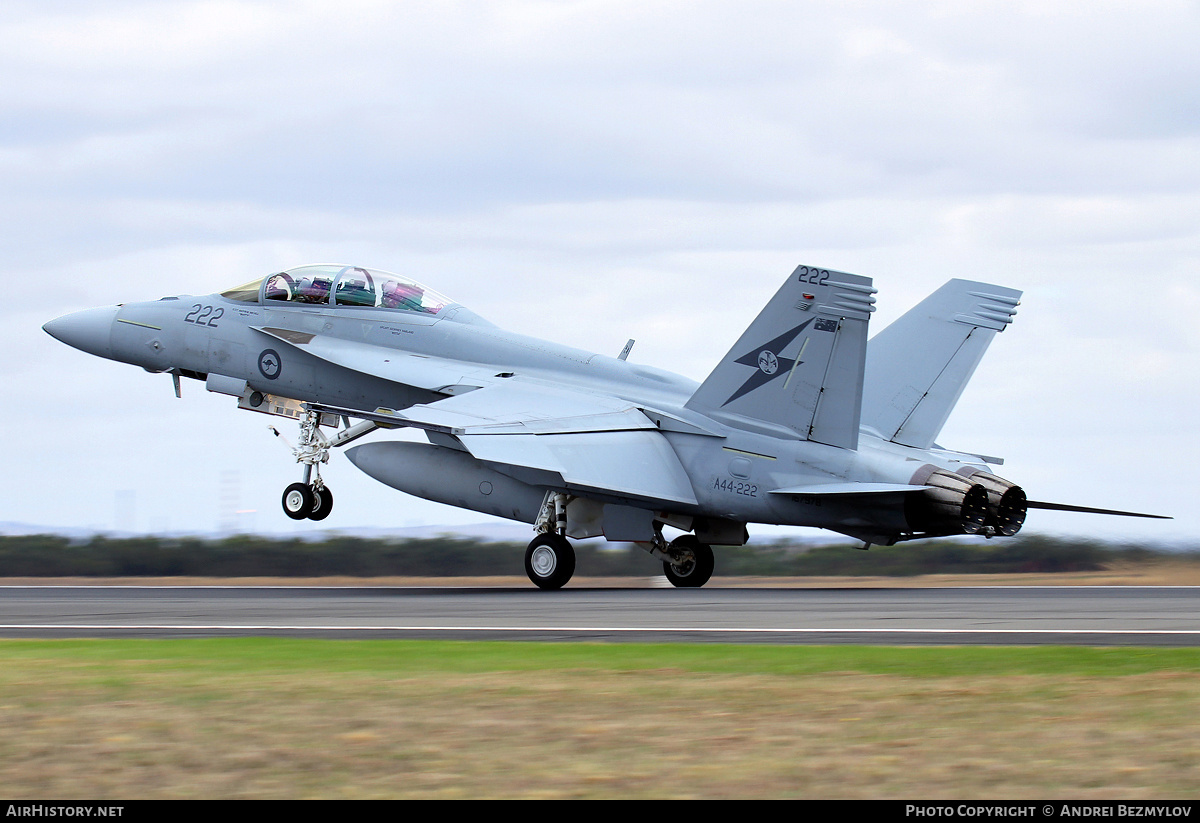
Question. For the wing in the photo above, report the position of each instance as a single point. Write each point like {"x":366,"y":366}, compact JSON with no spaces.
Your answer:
{"x":550,"y":435}
{"x":534,"y":431}
{"x":516,"y":406}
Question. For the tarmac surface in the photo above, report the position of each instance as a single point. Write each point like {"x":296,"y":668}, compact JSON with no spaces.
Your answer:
{"x":1021,"y":615}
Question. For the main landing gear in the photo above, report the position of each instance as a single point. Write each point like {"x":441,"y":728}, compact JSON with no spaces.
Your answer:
{"x":550,"y":560}
{"x":687,"y":563}
{"x":690,"y":562}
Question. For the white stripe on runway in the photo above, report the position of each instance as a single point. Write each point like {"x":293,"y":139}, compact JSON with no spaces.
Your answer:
{"x":581,"y":629}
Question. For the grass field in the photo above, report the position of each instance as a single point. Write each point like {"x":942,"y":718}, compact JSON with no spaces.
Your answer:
{"x":276,"y":718}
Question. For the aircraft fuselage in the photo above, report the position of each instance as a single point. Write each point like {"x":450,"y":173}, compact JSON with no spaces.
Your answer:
{"x":801,"y":423}
{"x":732,"y":471}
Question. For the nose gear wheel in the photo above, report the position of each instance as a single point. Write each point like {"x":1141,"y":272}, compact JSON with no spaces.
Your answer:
{"x":298,"y":501}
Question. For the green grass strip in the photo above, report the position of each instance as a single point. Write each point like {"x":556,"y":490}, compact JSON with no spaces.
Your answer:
{"x":397,"y":657}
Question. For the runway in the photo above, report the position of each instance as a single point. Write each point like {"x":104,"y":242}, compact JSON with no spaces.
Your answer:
{"x":1116,"y":615}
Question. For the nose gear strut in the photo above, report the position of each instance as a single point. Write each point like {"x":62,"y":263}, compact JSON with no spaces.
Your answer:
{"x":311,"y":498}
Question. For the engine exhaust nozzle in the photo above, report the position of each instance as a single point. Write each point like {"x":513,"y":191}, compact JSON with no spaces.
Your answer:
{"x":1007,"y":505}
{"x":951,"y":504}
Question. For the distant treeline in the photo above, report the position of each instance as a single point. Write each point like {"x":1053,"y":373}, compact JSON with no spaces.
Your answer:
{"x":248,"y":556}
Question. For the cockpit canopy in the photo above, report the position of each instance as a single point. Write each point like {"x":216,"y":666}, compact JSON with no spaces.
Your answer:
{"x":341,"y":286}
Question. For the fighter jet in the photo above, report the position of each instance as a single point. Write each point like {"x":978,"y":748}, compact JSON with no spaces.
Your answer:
{"x":803,"y":422}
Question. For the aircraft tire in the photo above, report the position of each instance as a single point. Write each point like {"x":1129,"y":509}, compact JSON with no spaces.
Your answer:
{"x":695,"y":572}
{"x":550,"y":561}
{"x":322,"y":503}
{"x":298,"y":501}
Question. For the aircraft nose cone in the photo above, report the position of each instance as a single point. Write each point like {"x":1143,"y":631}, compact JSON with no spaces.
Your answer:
{"x":89,"y":330}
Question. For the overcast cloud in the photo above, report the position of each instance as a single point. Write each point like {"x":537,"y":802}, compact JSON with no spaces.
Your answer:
{"x":593,"y":171}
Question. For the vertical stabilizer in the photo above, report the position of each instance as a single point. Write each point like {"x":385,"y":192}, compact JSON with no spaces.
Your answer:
{"x":919,"y":365}
{"x":798,"y":369}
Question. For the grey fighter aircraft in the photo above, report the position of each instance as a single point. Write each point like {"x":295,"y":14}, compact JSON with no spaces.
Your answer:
{"x":803,"y":423}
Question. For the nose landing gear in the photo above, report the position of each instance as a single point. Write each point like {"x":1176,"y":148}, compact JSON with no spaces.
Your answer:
{"x":298,"y":501}
{"x":312,"y":499}
{"x":303,"y":500}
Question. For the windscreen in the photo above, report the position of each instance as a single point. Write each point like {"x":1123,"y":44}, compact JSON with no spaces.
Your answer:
{"x":341,"y":286}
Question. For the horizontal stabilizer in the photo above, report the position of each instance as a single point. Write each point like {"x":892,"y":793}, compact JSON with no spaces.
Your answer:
{"x":1062,"y":507}
{"x":918,"y":366}
{"x":851,"y":488}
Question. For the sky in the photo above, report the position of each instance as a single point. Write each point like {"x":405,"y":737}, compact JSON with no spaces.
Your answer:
{"x":590,"y":172}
